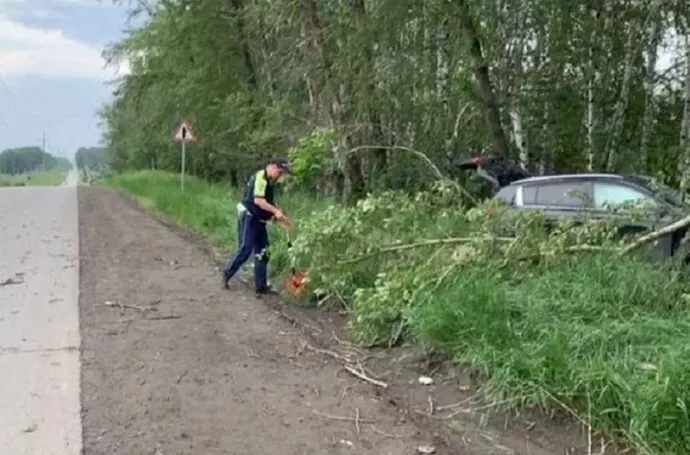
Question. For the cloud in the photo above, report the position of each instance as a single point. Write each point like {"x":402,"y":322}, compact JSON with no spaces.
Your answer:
{"x":46,"y":14}
{"x":26,"y":50}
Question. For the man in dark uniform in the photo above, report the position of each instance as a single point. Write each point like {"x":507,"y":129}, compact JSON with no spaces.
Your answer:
{"x":256,"y":209}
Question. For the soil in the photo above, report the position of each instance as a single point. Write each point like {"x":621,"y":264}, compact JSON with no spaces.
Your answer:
{"x":174,"y":364}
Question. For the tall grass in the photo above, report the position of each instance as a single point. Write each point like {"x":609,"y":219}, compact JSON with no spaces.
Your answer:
{"x":606,"y":337}
{"x":210,"y":209}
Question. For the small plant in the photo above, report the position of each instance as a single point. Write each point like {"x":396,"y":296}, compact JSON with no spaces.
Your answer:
{"x":311,"y":158}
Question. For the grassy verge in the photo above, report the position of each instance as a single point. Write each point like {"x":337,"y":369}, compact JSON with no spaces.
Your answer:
{"x":209,"y":209}
{"x":41,"y":178}
{"x":602,"y":336}
{"x":605,"y":338}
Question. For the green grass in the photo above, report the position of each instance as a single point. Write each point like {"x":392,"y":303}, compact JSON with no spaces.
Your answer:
{"x":607,"y":338}
{"x":40,"y":178}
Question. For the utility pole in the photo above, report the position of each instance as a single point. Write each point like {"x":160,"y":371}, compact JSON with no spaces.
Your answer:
{"x":43,"y":147}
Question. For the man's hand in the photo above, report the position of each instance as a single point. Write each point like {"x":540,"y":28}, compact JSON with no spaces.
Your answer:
{"x":284,"y":221}
{"x":278,"y":215}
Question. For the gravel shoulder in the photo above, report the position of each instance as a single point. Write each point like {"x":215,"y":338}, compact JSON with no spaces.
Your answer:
{"x":173,"y":364}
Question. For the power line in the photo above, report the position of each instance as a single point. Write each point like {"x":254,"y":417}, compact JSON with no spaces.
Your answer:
{"x":12,"y":100}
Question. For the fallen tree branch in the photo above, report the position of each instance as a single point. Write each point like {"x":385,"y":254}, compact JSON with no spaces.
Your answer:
{"x":123,"y":306}
{"x":421,"y":244}
{"x":361,"y":375}
{"x":655,"y":235}
{"x":401,"y":148}
{"x":341,"y":418}
{"x":347,"y":365}
{"x":641,"y":241}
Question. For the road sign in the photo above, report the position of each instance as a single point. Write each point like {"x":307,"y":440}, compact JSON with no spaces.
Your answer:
{"x":184,"y":133}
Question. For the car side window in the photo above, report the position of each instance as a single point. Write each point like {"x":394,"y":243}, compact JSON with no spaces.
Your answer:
{"x":611,"y":194}
{"x":571,"y":194}
{"x":529,"y":195}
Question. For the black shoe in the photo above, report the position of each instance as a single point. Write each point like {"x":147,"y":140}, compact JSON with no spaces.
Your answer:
{"x":226,"y":284}
{"x":267,"y":291}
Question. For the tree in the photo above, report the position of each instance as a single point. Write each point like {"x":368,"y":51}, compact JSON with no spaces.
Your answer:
{"x":28,"y":159}
{"x":559,"y":86}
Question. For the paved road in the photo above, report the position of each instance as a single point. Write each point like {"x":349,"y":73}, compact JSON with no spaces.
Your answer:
{"x":39,"y":324}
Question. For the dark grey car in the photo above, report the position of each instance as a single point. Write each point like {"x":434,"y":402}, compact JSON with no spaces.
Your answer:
{"x":591,"y":195}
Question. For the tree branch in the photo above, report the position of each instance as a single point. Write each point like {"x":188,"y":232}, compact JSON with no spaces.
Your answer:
{"x":652,"y":236}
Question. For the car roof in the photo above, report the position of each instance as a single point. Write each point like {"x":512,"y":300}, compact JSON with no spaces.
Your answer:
{"x":561,"y":177}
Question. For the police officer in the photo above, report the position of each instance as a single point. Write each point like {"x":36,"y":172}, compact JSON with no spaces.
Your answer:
{"x":256,"y":209}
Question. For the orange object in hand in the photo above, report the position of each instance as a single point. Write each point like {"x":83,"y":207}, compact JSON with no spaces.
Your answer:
{"x":286,"y":223}
{"x":296,"y":285}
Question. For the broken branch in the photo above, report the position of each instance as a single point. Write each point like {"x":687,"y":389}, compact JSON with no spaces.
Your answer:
{"x":655,"y":235}
{"x":357,"y":421}
{"x":341,"y":418}
{"x":430,"y":242}
{"x":364,"y":377}
{"x":346,"y":361}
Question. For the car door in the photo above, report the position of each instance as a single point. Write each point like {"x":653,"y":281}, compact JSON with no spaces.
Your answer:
{"x":557,"y":199}
{"x":610,"y":194}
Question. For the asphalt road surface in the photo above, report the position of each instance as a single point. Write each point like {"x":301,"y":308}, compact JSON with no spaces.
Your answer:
{"x":39,"y":321}
{"x":116,"y":338}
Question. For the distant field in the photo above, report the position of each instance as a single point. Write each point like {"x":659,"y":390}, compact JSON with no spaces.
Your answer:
{"x":43,"y":178}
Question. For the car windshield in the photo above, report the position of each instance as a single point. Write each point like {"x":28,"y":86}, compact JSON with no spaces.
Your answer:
{"x":662,"y":190}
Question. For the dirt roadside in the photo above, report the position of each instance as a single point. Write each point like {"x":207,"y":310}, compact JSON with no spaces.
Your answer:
{"x":185,"y":367}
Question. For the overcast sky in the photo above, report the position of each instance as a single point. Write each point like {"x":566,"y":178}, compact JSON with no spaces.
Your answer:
{"x":52,"y":76}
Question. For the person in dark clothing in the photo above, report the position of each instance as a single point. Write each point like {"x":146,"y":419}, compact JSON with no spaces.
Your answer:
{"x":257,"y":208}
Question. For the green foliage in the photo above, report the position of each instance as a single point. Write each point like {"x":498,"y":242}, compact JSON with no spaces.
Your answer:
{"x":92,"y":162}
{"x":393,"y":75}
{"x":94,"y":158}
{"x":603,"y":337}
{"x":29,"y":159}
{"x":311,"y":159}
{"x":547,"y":320}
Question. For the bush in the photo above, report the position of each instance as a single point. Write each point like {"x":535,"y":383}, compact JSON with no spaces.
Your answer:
{"x":552,"y":318}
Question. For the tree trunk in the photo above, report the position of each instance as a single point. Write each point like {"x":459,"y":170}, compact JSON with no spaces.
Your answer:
{"x":351,"y":163}
{"x":618,"y":120}
{"x":590,"y":122}
{"x":481,"y":72}
{"x":238,"y":9}
{"x":685,"y":129}
{"x":649,"y":101}
{"x":379,"y":161}
{"x":442,"y":66}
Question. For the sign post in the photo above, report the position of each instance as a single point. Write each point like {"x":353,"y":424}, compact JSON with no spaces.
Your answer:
{"x":183,"y":135}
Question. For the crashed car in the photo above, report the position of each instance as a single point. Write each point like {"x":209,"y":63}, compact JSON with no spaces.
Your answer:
{"x":591,"y":195}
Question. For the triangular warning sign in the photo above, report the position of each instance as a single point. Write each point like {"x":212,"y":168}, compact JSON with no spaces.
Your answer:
{"x":184,"y":133}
